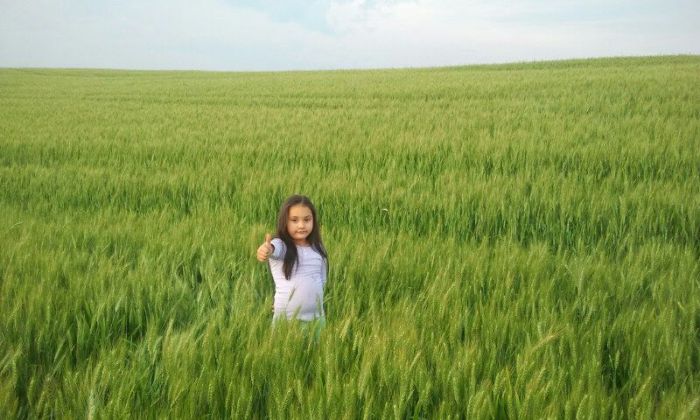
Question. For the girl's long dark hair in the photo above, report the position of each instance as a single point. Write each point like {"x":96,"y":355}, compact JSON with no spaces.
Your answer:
{"x":291,"y":258}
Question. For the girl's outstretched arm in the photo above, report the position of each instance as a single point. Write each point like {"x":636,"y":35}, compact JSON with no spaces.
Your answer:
{"x":271,"y":248}
{"x":279,"y":249}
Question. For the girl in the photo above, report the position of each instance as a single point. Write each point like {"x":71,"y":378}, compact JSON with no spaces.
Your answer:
{"x":298,"y":262}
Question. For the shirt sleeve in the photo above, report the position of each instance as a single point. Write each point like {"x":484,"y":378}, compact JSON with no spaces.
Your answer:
{"x":324,"y":272}
{"x":280,"y":249}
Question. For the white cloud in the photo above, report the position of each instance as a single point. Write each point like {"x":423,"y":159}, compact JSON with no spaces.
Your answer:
{"x":218,"y":35}
{"x":209,"y":34}
{"x":420,"y":33}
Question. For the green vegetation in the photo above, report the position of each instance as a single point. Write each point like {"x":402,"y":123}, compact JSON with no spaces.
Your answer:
{"x":516,"y":241}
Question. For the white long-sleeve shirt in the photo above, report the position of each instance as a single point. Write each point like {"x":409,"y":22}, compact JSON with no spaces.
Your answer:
{"x":301,"y":296}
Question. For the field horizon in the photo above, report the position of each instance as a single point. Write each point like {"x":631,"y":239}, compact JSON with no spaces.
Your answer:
{"x":516,"y":240}
{"x":493,"y":66}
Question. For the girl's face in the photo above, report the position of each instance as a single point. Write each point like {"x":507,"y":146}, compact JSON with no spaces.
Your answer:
{"x":300,"y":223}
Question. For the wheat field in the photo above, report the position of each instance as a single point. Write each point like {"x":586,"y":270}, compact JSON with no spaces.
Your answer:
{"x":505,"y":241}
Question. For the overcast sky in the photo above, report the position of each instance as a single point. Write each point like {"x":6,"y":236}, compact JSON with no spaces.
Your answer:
{"x":329,"y":34}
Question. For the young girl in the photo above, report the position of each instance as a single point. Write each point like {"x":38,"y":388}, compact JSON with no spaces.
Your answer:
{"x":298,"y":262}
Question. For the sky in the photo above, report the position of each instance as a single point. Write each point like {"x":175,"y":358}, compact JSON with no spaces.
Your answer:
{"x":266,"y":35}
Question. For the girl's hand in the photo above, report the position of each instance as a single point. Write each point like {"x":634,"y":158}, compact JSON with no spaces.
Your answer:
{"x":265,"y":249}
